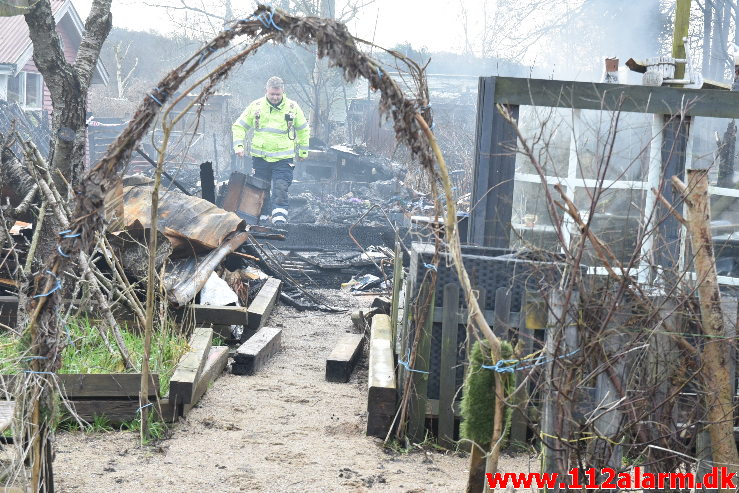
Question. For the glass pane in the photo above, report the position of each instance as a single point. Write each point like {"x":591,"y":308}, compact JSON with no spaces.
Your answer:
{"x":725,"y":232}
{"x":547,"y":132}
{"x":617,"y":217}
{"x":531,"y":224}
{"x":614,"y":146}
{"x":14,"y":89}
{"x":33,"y":90}
{"x":714,"y":148}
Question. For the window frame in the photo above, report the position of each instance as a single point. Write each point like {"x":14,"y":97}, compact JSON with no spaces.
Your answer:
{"x":572,"y":182}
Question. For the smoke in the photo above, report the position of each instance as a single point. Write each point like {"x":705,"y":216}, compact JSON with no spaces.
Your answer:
{"x":595,"y":29}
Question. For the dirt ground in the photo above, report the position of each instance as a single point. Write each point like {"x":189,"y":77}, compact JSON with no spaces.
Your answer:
{"x":284,"y":429}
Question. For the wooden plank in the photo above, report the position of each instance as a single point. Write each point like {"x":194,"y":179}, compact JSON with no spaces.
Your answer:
{"x":382,"y":394}
{"x":210,"y":314}
{"x":167,"y":410}
{"x":207,"y":182}
{"x":188,"y":370}
{"x":233,"y":195}
{"x":502,"y":317}
{"x":85,"y":386}
{"x":462,"y":316}
{"x":261,"y":307}
{"x":420,"y":378}
{"x":117,"y":411}
{"x":555,"y":456}
{"x":342,"y":360}
{"x":397,"y":284}
{"x":254,"y":353}
{"x":448,"y":369}
{"x":125,"y":385}
{"x":520,"y":399}
{"x":217,"y":360}
{"x":494,"y":169}
{"x":598,"y":96}
{"x":9,"y":310}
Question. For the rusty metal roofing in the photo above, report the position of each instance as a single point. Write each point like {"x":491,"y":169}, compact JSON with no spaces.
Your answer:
{"x":191,"y":224}
{"x":14,"y":39}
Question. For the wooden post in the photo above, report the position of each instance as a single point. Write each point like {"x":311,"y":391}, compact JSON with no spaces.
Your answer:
{"x":397,"y":283}
{"x":420,"y":378}
{"x":680,"y":31}
{"x":502,"y":312}
{"x":520,"y":399}
{"x":490,"y":219}
{"x":448,"y":367}
{"x":556,"y":423}
{"x":719,"y":397}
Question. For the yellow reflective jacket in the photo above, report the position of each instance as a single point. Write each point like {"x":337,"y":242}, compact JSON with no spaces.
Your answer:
{"x":273,"y":139}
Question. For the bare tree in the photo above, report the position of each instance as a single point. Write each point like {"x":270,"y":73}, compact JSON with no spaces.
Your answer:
{"x":68,"y":83}
{"x":123,"y":81}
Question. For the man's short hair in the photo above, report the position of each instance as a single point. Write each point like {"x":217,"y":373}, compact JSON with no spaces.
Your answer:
{"x":275,"y":82}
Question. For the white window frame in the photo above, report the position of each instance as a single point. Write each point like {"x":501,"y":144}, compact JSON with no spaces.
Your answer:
{"x":654,"y":175}
{"x":22,"y":90}
{"x":39,"y":94}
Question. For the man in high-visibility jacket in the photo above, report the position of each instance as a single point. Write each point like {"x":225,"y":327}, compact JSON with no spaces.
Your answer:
{"x":280,"y":139}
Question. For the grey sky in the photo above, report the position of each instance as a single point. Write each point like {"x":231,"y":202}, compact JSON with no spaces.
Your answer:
{"x":431,"y":23}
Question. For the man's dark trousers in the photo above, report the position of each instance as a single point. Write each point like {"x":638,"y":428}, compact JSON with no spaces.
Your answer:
{"x":281,"y":173}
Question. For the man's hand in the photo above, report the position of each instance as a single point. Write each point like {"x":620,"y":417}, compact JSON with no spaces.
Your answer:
{"x":240,"y":152}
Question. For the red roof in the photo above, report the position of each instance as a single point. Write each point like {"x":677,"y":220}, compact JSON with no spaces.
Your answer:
{"x":14,"y":39}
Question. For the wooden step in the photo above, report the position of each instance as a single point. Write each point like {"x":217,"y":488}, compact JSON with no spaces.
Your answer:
{"x":344,"y":357}
{"x":254,"y":353}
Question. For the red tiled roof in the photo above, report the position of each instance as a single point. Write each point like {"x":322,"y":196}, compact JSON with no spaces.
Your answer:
{"x":14,"y":39}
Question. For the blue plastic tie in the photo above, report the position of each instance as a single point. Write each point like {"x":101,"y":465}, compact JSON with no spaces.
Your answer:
{"x":59,"y":249}
{"x":142,"y":407}
{"x":55,"y":288}
{"x":511,"y":365}
{"x":155,"y":99}
{"x":407,"y":366}
{"x":34,"y":357}
{"x":272,"y":21}
{"x":379,"y":73}
{"x":39,"y":372}
{"x":430,"y":266}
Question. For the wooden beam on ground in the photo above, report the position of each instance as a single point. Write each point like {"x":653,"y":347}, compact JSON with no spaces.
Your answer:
{"x":261,"y":307}
{"x":217,"y":360}
{"x":342,"y":360}
{"x":188,"y":370}
{"x":254,"y":353}
{"x":382,"y":395}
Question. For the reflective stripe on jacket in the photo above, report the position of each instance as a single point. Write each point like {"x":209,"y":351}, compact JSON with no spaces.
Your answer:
{"x":271,"y":140}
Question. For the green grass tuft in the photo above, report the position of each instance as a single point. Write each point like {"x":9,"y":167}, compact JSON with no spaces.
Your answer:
{"x":478,"y":400}
{"x":86,"y":352}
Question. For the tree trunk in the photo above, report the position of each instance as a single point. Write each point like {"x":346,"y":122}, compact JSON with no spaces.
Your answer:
{"x":68,"y":83}
{"x":716,"y":377}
